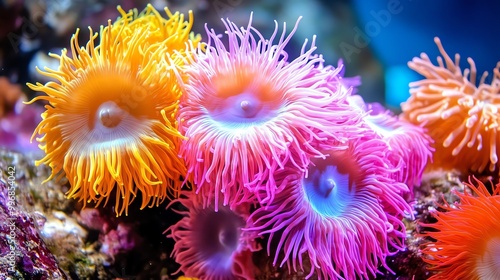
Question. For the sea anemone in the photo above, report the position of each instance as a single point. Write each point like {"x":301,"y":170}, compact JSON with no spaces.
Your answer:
{"x":247,"y":110}
{"x":110,"y":120}
{"x":461,"y":117}
{"x":467,"y":236}
{"x":410,"y":145}
{"x":345,"y":213}
{"x":211,"y":244}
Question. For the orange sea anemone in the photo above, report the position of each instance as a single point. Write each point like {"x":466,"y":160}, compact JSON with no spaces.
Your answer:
{"x":110,"y":120}
{"x":460,"y":116}
{"x":467,"y":236}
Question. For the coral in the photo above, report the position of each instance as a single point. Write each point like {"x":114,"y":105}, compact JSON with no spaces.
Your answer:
{"x":211,"y":244}
{"x":23,"y":251}
{"x":49,"y":211}
{"x":92,"y":219}
{"x":110,"y":123}
{"x":466,"y":235}
{"x":115,"y":236}
{"x":344,"y":213}
{"x":460,"y":116}
{"x":120,"y":240}
{"x":248,"y":110}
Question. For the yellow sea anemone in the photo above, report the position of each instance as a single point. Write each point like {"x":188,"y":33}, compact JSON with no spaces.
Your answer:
{"x":459,"y":115}
{"x":173,"y":32}
{"x":110,"y":120}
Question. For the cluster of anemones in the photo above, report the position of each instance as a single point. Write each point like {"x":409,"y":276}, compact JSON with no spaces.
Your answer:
{"x":323,"y":171}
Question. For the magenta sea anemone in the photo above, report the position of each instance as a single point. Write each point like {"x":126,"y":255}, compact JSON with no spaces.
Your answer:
{"x":410,"y":145}
{"x":212,"y":245}
{"x":343,"y":213}
{"x":247,"y":110}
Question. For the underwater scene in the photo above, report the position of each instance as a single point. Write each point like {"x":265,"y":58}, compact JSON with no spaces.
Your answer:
{"x":238,"y":139}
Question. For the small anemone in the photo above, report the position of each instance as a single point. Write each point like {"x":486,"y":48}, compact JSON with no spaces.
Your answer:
{"x":248,"y":110}
{"x":461,"y":117}
{"x":410,"y":145}
{"x":212,"y":244}
{"x":344,"y":212}
{"x":466,"y":236}
{"x":110,"y":120}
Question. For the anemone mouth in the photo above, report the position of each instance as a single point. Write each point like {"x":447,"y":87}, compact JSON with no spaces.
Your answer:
{"x":217,"y":235}
{"x":242,"y":97}
{"x":110,"y":114}
{"x":329,"y":187}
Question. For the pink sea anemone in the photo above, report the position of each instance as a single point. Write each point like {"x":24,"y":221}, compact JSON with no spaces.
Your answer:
{"x":345,"y":213}
{"x":211,"y":244}
{"x":247,"y":110}
{"x":410,"y":145}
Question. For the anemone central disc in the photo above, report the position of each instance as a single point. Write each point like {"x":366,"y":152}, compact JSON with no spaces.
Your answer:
{"x":488,"y":265}
{"x":327,"y":190}
{"x":243,"y":107}
{"x":110,"y":114}
{"x":217,"y":234}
